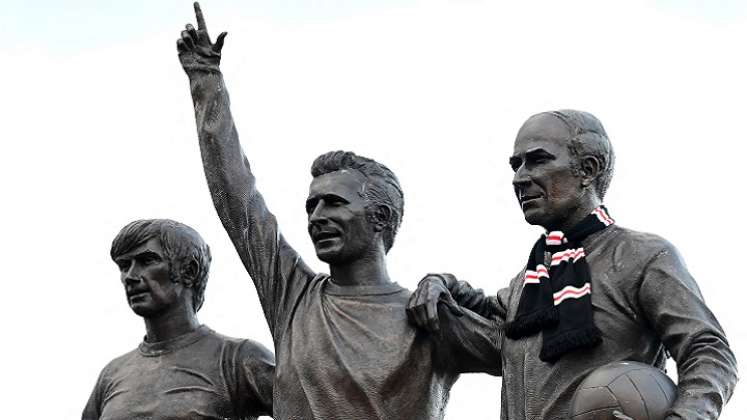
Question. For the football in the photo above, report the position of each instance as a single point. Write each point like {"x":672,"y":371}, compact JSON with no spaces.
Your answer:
{"x":635,"y":390}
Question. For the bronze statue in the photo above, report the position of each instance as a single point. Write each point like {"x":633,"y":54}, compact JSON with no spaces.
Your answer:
{"x":344,"y":347}
{"x":592,"y":292}
{"x":181,"y":370}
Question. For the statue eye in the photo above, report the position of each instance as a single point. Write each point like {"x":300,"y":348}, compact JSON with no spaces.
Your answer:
{"x":515,"y":163}
{"x":540,"y":158}
{"x":150,"y":259}
{"x":310,"y":206}
{"x":336,"y":201}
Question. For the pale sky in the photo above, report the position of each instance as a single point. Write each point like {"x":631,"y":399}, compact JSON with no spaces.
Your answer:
{"x":99,"y":123}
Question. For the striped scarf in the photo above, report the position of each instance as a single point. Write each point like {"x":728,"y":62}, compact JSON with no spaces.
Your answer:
{"x":557,"y":301}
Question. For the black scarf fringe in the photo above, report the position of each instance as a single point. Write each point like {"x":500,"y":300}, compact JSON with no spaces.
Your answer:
{"x":528,"y":324}
{"x":569,"y":340}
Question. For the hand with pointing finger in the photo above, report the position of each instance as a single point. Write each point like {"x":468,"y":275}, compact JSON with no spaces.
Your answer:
{"x":196,"y":51}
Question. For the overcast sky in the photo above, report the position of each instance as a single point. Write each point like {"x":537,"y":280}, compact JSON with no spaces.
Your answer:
{"x":98,"y":130}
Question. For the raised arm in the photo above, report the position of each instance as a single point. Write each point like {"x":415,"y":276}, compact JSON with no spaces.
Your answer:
{"x":706,"y":366}
{"x":276,"y":269}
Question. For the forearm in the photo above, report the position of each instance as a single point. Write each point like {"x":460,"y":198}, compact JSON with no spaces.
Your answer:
{"x":707,"y":374}
{"x":240,"y":207}
{"x":470,"y":343}
{"x":226,"y":167}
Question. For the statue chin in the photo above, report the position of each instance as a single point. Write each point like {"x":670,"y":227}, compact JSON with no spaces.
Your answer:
{"x":534,"y":217}
{"x":334,"y":256}
{"x":143,"y":311}
{"x":329,"y":256}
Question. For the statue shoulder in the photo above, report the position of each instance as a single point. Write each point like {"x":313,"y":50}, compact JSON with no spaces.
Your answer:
{"x":118,"y":364}
{"x":642,"y":245}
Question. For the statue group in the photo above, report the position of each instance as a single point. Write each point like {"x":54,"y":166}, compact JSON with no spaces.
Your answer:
{"x":353,"y":344}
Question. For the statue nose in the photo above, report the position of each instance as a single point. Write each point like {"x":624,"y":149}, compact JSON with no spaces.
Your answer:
{"x":520,"y":181}
{"x":132,"y":275}
{"x":521,"y":177}
{"x":130,"y":280}
{"x":317,"y":215}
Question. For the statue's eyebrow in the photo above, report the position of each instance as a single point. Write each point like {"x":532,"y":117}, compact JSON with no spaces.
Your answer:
{"x":531,"y":154}
{"x":533,"y":151}
{"x":538,"y":151}
{"x":312,"y":200}
{"x":143,"y":253}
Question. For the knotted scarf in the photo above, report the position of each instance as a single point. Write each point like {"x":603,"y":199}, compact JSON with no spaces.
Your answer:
{"x":557,"y":300}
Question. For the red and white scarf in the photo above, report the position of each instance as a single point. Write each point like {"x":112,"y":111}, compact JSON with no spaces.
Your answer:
{"x":557,"y":299}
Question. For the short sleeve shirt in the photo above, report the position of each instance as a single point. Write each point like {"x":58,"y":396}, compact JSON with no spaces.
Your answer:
{"x":201,"y":375}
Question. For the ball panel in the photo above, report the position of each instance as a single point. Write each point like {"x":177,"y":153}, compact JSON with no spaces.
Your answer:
{"x":590,"y":399}
{"x":667,"y":387}
{"x":607,"y":373}
{"x":630,"y":398}
{"x":654,"y":397}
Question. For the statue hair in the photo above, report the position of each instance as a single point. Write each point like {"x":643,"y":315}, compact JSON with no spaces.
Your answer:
{"x":588,"y":137}
{"x":180,"y":243}
{"x":381,"y":186}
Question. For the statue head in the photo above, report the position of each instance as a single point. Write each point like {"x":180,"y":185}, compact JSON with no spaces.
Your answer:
{"x":355,"y":206}
{"x":563,"y":163}
{"x":162,"y":263}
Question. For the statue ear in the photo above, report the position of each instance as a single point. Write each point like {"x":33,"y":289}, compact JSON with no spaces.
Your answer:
{"x":382,"y":216}
{"x":189,"y":272}
{"x":591,"y":166}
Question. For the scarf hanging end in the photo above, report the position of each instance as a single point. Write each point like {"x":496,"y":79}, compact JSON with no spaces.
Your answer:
{"x":528,"y":324}
{"x":557,"y":345}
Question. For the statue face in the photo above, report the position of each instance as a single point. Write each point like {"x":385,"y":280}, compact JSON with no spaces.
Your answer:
{"x":146,"y":277}
{"x":547,"y":188}
{"x":337,"y":217}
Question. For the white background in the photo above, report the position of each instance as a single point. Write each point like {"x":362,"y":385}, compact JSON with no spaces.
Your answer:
{"x":98,"y":130}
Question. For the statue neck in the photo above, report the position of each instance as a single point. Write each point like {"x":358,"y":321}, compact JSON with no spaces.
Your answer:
{"x":177,"y":321}
{"x":585,"y":207}
{"x":368,"y":270}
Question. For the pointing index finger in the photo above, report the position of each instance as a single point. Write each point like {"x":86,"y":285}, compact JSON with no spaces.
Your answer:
{"x":200,"y":19}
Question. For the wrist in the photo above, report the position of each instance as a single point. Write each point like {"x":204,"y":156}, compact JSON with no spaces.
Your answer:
{"x":445,"y":279}
{"x":201,"y":68}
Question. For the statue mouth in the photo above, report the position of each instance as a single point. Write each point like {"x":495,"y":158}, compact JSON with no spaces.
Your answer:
{"x":325,"y":234}
{"x":526,"y":198}
{"x":137,"y":295}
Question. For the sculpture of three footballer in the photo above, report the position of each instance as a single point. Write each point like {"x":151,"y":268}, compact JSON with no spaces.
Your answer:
{"x":353,"y":344}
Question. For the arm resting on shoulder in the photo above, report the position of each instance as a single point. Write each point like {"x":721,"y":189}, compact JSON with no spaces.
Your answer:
{"x":469,"y":343}
{"x":470,"y":298}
